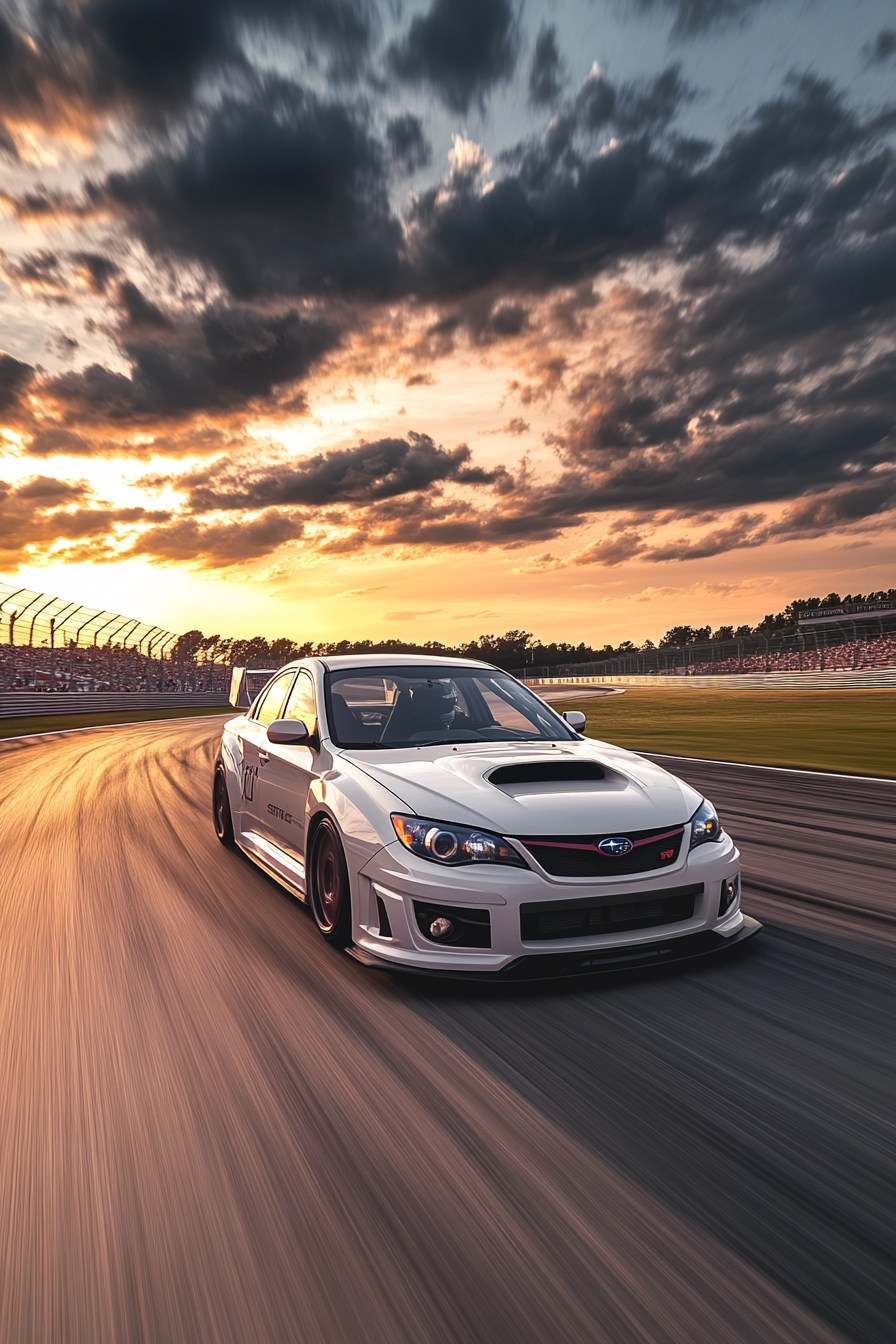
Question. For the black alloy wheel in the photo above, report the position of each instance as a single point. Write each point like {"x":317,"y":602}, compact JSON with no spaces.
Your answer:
{"x":221,"y":809}
{"x":331,"y":902}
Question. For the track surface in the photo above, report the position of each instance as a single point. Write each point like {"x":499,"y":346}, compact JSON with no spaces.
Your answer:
{"x":213,"y":1128}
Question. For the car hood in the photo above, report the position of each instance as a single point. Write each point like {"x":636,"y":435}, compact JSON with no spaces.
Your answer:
{"x":452,"y":785}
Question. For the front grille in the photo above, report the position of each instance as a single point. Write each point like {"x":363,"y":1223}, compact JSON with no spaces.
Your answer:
{"x":579,"y":856}
{"x":541,"y":921}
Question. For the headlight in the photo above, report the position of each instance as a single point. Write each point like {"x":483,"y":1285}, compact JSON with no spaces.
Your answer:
{"x":705,"y":824}
{"x":444,"y":843}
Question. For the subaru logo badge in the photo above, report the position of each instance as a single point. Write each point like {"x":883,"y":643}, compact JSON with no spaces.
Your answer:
{"x":615,"y":846}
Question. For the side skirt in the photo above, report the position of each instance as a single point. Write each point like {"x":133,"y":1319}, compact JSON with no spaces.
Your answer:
{"x":271,"y":864}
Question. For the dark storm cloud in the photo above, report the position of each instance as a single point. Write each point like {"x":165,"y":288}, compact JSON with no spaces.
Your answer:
{"x":882,"y":49}
{"x":14,"y":378}
{"x":536,"y":228}
{"x":39,"y":274}
{"x":770,"y":375}
{"x":683,"y":442}
{"x":779,"y":167}
{"x":223,"y":361}
{"x":641,"y":107}
{"x":691,"y":18}
{"x":385,"y":469}
{"x":67,"y":66}
{"x":43,"y":511}
{"x":96,"y":270}
{"x":139,"y":312}
{"x":461,"y":48}
{"x":559,"y":210}
{"x":286,"y":194}
{"x":546,"y":73}
{"x":280,"y":195}
{"x":409,"y":147}
{"x":218,"y":545}
{"x":158,"y":49}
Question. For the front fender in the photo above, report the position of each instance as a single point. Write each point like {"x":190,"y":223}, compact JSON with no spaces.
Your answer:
{"x":361,"y":810}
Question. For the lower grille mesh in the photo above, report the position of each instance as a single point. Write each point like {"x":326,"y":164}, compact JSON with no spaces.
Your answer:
{"x":542,"y":921}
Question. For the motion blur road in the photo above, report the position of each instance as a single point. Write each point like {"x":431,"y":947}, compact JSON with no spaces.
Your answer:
{"x":215,"y":1128}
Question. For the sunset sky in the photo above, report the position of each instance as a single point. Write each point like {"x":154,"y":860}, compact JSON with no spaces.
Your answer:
{"x":328,"y":318}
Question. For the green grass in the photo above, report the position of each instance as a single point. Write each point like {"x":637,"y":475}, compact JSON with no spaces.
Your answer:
{"x":853,"y":732}
{"x":849,"y":731}
{"x":54,"y":723}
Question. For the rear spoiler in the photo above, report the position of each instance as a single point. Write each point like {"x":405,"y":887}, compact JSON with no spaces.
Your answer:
{"x":246,"y":682}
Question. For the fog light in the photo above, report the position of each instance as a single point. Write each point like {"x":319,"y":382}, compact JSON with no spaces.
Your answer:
{"x":441,"y":927}
{"x":728,"y":894}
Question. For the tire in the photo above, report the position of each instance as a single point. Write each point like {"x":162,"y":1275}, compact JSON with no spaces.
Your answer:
{"x":221,"y":809}
{"x":331,"y":901}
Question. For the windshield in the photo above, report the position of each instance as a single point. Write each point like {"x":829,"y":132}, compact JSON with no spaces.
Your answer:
{"x":381,"y":707}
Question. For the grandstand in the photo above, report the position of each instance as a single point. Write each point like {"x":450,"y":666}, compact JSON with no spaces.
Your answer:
{"x":49,"y":644}
{"x":852,"y":641}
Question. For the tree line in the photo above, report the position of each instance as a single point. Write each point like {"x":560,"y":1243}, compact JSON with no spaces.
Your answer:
{"x":516,"y":648}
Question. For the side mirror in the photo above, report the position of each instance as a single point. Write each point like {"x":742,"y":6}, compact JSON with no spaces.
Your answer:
{"x":288,"y":732}
{"x":575,"y":718}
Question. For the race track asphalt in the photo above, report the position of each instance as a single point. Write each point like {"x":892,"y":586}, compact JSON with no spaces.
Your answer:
{"x":215,"y":1128}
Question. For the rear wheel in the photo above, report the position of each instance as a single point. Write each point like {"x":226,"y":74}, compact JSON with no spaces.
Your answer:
{"x":331,"y":902}
{"x":221,"y":808}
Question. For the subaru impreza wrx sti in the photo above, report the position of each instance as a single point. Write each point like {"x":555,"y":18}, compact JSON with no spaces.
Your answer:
{"x":437,"y":816}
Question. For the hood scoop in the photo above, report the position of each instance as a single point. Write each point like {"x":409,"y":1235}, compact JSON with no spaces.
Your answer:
{"x":546,"y":772}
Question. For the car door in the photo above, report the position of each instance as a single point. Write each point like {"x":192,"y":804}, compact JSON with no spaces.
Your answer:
{"x":254,"y":743}
{"x":284,"y":780}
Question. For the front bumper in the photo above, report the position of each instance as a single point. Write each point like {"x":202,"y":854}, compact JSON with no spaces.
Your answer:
{"x":395,"y":885}
{"x":543,"y":966}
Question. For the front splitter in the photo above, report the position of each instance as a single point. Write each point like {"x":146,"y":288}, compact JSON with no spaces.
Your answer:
{"x":541,"y":966}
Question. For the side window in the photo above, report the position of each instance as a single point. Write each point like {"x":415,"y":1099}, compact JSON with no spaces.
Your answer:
{"x":271,"y":704}
{"x":300,"y":704}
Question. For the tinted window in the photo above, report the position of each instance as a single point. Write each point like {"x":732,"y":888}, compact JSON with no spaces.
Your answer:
{"x":272,"y":701}
{"x":300,"y":704}
{"x":414,"y":706}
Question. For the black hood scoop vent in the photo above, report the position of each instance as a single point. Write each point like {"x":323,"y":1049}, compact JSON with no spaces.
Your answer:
{"x":546,"y":772}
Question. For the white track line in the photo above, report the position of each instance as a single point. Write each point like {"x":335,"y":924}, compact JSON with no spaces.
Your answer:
{"x":779,"y":769}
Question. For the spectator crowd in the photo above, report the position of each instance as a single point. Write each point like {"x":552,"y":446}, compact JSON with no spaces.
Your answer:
{"x":854,"y":656}
{"x":72,"y":670}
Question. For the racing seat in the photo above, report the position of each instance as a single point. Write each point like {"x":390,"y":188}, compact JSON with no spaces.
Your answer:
{"x":348,"y":726}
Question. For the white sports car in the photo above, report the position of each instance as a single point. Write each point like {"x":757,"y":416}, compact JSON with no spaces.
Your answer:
{"x":439,"y":817}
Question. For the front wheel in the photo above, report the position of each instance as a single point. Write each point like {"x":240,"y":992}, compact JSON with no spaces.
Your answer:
{"x":221,"y":808}
{"x":331,"y":902}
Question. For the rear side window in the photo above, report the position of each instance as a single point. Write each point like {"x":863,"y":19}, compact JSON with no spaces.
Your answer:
{"x":273,"y":698}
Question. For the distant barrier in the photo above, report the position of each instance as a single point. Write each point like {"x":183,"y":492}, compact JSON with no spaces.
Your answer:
{"x":24,"y":705}
{"x":875,"y":679}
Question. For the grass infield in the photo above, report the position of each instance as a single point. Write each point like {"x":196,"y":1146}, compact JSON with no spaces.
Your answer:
{"x":853,"y":732}
{"x":849,"y":732}
{"x":56,"y":723}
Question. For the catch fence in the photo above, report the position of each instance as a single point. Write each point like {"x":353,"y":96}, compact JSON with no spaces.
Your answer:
{"x":50,"y":645}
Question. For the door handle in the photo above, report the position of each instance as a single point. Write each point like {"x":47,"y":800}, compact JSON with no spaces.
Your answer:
{"x":263,"y":758}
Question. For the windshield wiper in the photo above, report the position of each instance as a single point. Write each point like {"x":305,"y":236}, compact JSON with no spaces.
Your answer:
{"x":449,"y":742}
{"x":367,"y":746}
